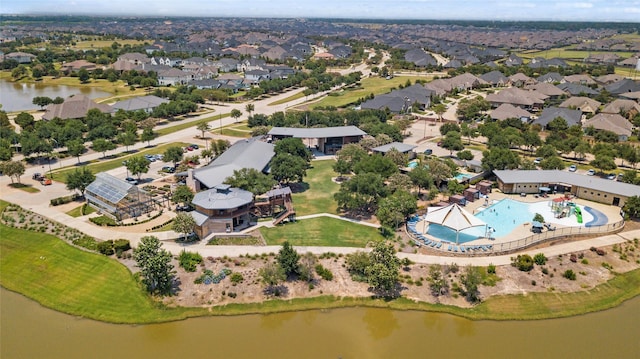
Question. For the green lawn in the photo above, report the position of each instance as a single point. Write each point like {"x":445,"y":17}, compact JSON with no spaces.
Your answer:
{"x":321,"y":231}
{"x":288,"y":99}
{"x":568,"y":53}
{"x":102,"y":166}
{"x":81,"y":210}
{"x":98,"y":44}
{"x":73,"y":281}
{"x":369,"y":85}
{"x":318,"y":198}
{"x":25,"y":187}
{"x":184,"y":125}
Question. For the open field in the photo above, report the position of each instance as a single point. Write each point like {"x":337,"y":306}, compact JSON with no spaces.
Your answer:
{"x":321,"y":231}
{"x":103,"y":166}
{"x":98,"y":44}
{"x":370,"y":85}
{"x":318,"y":197}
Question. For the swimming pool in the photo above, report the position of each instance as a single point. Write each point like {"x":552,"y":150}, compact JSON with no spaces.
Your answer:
{"x":462,"y":176}
{"x":504,"y":216}
{"x":413,"y":164}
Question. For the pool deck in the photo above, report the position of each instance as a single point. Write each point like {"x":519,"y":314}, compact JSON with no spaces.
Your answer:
{"x":523,"y":231}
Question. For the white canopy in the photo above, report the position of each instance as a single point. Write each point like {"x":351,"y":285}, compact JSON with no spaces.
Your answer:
{"x":452,"y":216}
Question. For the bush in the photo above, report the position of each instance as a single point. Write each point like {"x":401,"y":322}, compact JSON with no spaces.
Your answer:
{"x":324,"y":273}
{"x":106,"y":248}
{"x":357,"y":264}
{"x":103,"y":221}
{"x":236,"y":278}
{"x":63,"y":200}
{"x":584,"y":261}
{"x":121,"y":245}
{"x":86,"y":242}
{"x":523,"y":262}
{"x":569,"y":274}
{"x":538,"y":218}
{"x":491,"y":269}
{"x":189,"y":260}
{"x":540,"y":259}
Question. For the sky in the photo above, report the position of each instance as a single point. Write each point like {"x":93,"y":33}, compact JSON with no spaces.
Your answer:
{"x":562,"y":10}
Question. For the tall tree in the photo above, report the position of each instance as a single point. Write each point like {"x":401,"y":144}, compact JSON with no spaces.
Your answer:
{"x":184,"y":223}
{"x":421,"y":177}
{"x":173,"y":154}
{"x":470,"y":281}
{"x":288,"y":259}
{"x":12,"y":169}
{"x":394,"y":209}
{"x":361,"y":192}
{"x":383,"y":270}
{"x":155,"y":266}
{"x":452,"y":142}
{"x":293,"y":146}
{"x":102,"y":145}
{"x":235,"y":114}
{"x":249,"y":108}
{"x":75,"y":148}
{"x":148,"y":135}
{"x":252,"y":180}
{"x":80,"y":179}
{"x":182,"y":194}
{"x":203,"y":127}
{"x":127,"y":139}
{"x":137,"y":166}
{"x":287,"y":168}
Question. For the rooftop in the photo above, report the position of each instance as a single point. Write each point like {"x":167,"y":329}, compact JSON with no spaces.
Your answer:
{"x":219,"y":199}
{"x":317,"y":132}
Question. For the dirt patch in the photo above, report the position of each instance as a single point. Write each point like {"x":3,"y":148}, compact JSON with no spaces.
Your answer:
{"x":589,"y":270}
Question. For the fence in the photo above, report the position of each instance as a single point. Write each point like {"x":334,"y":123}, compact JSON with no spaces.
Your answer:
{"x":511,"y":246}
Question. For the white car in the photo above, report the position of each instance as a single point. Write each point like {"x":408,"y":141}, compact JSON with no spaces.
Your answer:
{"x":573,"y":168}
{"x":591,"y":172}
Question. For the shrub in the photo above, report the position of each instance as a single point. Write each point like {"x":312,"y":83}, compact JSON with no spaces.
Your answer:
{"x":236,"y":278}
{"x":538,"y":218}
{"x":533,"y":282}
{"x":523,"y":262}
{"x":121,"y":245}
{"x":86,"y":242}
{"x":569,"y":274}
{"x":189,"y":260}
{"x":491,"y":269}
{"x":324,"y":273}
{"x":540,"y":259}
{"x":584,"y":261}
{"x":545,"y":270}
{"x":106,"y":248}
{"x":103,"y":221}
{"x":357,"y":264}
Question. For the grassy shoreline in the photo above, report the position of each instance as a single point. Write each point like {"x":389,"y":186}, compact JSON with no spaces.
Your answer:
{"x":59,"y":276}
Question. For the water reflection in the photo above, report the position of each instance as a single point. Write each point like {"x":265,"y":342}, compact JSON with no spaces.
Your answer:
{"x":19,"y":96}
{"x":275,"y":321}
{"x":380,"y":323}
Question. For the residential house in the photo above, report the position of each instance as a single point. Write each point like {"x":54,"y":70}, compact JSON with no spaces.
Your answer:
{"x":495,"y":78}
{"x":580,"y":79}
{"x":221,"y":209}
{"x":602,"y":58}
{"x":584,"y":104}
{"x":611,"y":122}
{"x":627,"y":108}
{"x":528,"y":100}
{"x":506,"y":111}
{"x":20,"y":57}
{"x":73,"y":107}
{"x":256,"y":76}
{"x":623,"y":86}
{"x":572,"y":117}
{"x":608,"y":79}
{"x":404,"y":148}
{"x":277,"y":53}
{"x":513,"y":60}
{"x":630,"y":62}
{"x":401,"y":101}
{"x":341,"y":52}
{"x":466,"y":81}
{"x":551,"y":77}
{"x":520,"y":80}
{"x":323,"y":56}
{"x":577,"y":89}
{"x":420,"y":58}
{"x":328,"y":140}
{"x":134,"y":58}
{"x":251,"y":64}
{"x":173,"y":77}
{"x":78,"y":65}
{"x":144,"y":103}
{"x":547,"y":89}
{"x":226,"y":64}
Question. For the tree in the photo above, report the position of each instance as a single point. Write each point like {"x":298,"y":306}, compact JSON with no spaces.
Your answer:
{"x":287,"y":168}
{"x":249,"y":108}
{"x":24,"y":120}
{"x":557,"y":125}
{"x":75,"y":148}
{"x":80,"y":179}
{"x":465,"y":155}
{"x":383,"y":271}
{"x":361,"y":192}
{"x":203,"y":127}
{"x":127,"y":139}
{"x":437,"y":281}
{"x":603,"y":162}
{"x":184,"y":223}
{"x":102,"y":145}
{"x":12,"y":169}
{"x":439,"y":109}
{"x":470,"y":281}
{"x":438,"y":170}
{"x":470,"y":109}
{"x":500,"y":159}
{"x":272,"y":275}
{"x":552,"y":163}
{"x":307,"y":266}
{"x":469,"y":132}
{"x":394,"y":209}
{"x":219,"y":146}
{"x":155,"y":265}
{"x":137,"y":166}
{"x":148,"y":135}
{"x":83,"y":76}
{"x":351,"y":154}
{"x":342,"y":167}
{"x":173,"y":154}
{"x":42,"y":101}
{"x":207,"y":154}
{"x":252,"y":180}
{"x":288,"y":260}
{"x":382,"y":165}
{"x":449,"y":127}
{"x":182,"y":194}
{"x":235,"y":114}
{"x":452,"y":142}
{"x":399,"y":182}
{"x":292,"y":146}
{"x":421,"y":177}
{"x":399,"y":158}
{"x":632,"y":207}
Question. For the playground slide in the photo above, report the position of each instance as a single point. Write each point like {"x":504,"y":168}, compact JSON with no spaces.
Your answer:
{"x":578,"y":214}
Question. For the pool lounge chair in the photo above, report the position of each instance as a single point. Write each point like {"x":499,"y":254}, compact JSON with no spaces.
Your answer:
{"x":449,"y":249}
{"x":439,"y":245}
{"x":462,"y":249}
{"x":433,"y":244}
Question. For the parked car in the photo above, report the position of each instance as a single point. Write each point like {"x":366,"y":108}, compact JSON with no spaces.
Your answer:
{"x":168,"y":169}
{"x":184,"y":208}
{"x":37,"y":177}
{"x":194,"y":146}
{"x":428,"y":152}
{"x":573,"y":168}
{"x":611,"y":176}
{"x":131,"y":180}
{"x":537,"y":160}
{"x":591,"y":172}
{"x":150,"y":158}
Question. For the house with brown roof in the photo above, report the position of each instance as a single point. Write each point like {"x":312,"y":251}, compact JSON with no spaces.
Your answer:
{"x":608,"y":79}
{"x":580,"y":79}
{"x":78,"y":65}
{"x":520,"y":80}
{"x":135,"y":58}
{"x":20,"y":57}
{"x":611,"y":122}
{"x":584,"y":104}
{"x":73,"y":107}
{"x":546,"y":89}
{"x":623,"y":107}
{"x":528,"y":100}
{"x":507,"y":110}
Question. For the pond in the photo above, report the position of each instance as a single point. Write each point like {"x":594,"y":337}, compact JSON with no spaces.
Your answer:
{"x":32,"y":331}
{"x":19,"y":96}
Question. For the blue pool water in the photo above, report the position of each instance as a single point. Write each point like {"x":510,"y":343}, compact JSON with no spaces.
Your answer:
{"x":503,"y":217}
{"x":413,"y":164}
{"x":462,"y":177}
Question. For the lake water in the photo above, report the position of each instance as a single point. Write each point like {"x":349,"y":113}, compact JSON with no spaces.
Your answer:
{"x":18,"y":97}
{"x":29,"y":330}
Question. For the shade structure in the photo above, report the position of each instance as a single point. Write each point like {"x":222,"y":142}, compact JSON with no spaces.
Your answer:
{"x":452,"y":216}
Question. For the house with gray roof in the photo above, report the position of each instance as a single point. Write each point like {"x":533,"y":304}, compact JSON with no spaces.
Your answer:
{"x":327,"y":140}
{"x":401,"y":101}
{"x":221,"y":209}
{"x":249,"y":153}
{"x":584,"y":104}
{"x":580,"y":79}
{"x":398,"y":146}
{"x":173,"y":76}
{"x":572,"y":117}
{"x":20,"y":57}
{"x":420,"y":58}
{"x":506,"y":111}
{"x":574,"y":89}
{"x":546,"y":89}
{"x":144,"y":103}
{"x":622,"y":86}
{"x":587,"y":187}
{"x":551,"y":77}
{"x":495,"y":78}
{"x":517,"y":97}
